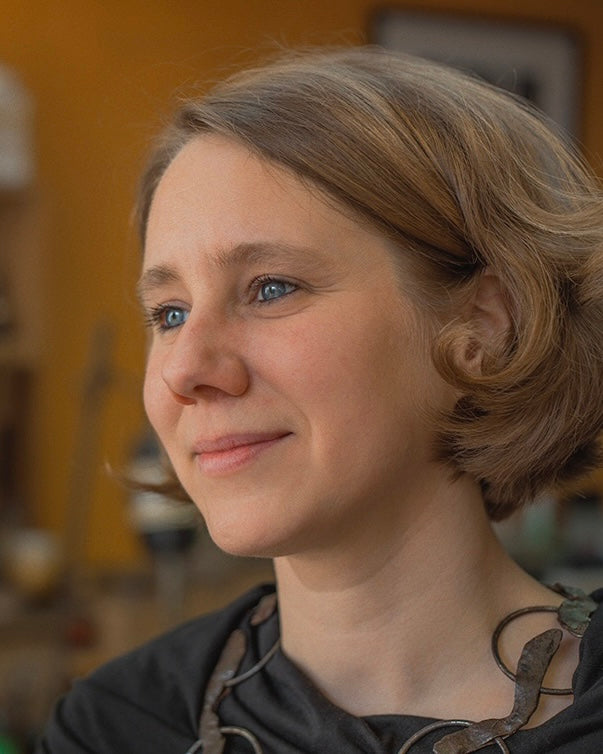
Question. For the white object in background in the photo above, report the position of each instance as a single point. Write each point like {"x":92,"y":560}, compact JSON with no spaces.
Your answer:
{"x":152,"y":512}
{"x":32,"y":561}
{"x":16,"y":133}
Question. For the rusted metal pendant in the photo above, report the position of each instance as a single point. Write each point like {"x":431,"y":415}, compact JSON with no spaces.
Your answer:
{"x":575,"y":611}
{"x":573,"y":615}
{"x":533,"y":663}
{"x":212,"y":735}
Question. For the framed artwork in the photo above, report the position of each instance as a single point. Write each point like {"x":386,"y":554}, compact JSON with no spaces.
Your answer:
{"x":539,"y":62}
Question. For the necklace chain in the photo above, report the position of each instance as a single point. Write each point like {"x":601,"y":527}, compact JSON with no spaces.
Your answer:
{"x":573,"y":615}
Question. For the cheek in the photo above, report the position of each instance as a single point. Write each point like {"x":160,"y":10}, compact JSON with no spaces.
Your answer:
{"x":379,"y":381}
{"x":345,"y":372}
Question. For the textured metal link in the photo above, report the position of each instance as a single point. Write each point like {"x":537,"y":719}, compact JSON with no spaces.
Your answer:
{"x":256,"y":668}
{"x":232,"y":730}
{"x":196,"y":747}
{"x":419,"y":735}
{"x":495,"y":651}
{"x":577,"y":609}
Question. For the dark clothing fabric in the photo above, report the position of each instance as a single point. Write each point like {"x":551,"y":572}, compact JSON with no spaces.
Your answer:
{"x":150,"y":701}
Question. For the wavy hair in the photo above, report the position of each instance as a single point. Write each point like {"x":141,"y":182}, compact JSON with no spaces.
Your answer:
{"x":461,"y":177}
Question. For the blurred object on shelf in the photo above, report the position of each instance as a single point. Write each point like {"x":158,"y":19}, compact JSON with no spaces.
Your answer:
{"x":15,"y":393}
{"x":169,"y":529}
{"x":7,"y":320}
{"x":8,"y":745}
{"x":559,"y":539}
{"x":10,"y":604}
{"x":581,"y":526}
{"x":32,"y":563}
{"x":40,"y":655}
{"x":7,"y":421}
{"x":34,"y":671}
{"x":531,"y":536}
{"x":98,"y":378}
{"x":16,"y":133}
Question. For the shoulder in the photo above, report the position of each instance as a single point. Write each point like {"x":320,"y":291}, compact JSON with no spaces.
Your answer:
{"x":148,"y":699}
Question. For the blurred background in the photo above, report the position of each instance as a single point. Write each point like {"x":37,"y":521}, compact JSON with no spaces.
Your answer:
{"x":88,"y":568}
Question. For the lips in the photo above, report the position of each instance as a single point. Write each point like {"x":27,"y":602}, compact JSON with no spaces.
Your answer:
{"x":226,"y":454}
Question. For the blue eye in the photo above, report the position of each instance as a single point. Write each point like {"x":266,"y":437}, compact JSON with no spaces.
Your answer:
{"x":173,"y":317}
{"x":274,"y":289}
{"x":166,"y":317}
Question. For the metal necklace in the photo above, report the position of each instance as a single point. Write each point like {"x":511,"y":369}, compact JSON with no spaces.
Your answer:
{"x":573,"y":615}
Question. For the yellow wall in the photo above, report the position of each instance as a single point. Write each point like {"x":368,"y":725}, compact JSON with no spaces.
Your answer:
{"x":101,"y":72}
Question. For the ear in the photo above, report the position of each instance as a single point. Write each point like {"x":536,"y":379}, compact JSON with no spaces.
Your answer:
{"x":489,"y":321}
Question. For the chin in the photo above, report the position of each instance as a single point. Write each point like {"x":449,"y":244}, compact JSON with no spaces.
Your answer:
{"x":251,"y":541}
{"x":244,"y":547}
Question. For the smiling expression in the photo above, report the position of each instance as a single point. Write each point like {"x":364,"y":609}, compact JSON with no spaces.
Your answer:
{"x":285,"y":375}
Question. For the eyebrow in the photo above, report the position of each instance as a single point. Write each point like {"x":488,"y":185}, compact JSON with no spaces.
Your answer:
{"x":244,"y":253}
{"x":154,"y":278}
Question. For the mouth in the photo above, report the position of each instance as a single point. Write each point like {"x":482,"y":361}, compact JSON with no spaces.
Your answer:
{"x":224,"y":455}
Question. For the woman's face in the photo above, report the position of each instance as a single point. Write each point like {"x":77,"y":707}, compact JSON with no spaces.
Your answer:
{"x":285,"y":377}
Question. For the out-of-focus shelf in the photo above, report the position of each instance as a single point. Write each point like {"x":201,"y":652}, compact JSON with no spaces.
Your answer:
{"x":21,"y":320}
{"x":21,"y":284}
{"x":42,"y":649}
{"x":587,"y":579}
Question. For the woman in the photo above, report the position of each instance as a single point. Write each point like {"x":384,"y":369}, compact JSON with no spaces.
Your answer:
{"x":374,"y":288}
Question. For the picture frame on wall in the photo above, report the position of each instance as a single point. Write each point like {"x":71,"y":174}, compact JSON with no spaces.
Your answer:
{"x":540,"y":62}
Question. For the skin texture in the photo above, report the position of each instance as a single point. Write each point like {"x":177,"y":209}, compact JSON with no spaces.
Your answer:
{"x":290,"y":382}
{"x":335,"y":365}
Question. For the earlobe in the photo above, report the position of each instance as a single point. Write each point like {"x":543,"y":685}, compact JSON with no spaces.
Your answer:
{"x":489,"y":321}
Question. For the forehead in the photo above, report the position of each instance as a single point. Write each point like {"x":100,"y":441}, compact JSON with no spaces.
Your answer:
{"x":215,"y":184}
{"x":216,"y":193}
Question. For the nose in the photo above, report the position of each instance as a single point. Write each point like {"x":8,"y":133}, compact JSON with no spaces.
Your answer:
{"x":203,"y":361}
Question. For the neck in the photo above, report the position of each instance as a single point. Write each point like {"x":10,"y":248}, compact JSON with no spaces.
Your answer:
{"x":404,"y":597}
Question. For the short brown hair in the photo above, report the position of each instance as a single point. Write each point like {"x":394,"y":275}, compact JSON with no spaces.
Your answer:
{"x":461,"y":176}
